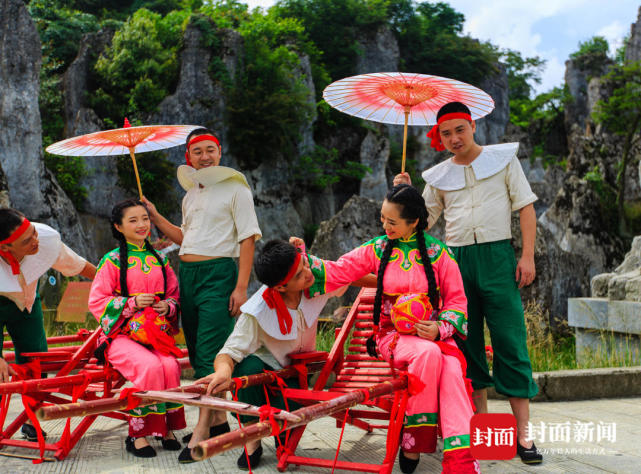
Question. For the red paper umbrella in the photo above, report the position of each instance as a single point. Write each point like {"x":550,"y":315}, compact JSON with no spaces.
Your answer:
{"x":121,"y":141}
{"x":403,"y":98}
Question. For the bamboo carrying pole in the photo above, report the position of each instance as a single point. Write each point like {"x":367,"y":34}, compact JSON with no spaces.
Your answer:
{"x":94,"y":407}
{"x":28,"y":386}
{"x":239,"y":437}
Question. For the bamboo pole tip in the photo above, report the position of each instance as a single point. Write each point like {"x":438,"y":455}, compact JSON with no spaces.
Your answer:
{"x":40,"y":413}
{"x":198,"y":453}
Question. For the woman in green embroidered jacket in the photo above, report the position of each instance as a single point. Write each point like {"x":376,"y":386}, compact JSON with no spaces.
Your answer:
{"x":132,"y":281}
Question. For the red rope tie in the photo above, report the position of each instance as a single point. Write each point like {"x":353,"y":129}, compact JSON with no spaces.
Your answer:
{"x":238,"y":383}
{"x":132,"y":400}
{"x":267,"y":412}
{"x":65,"y":439}
{"x":365,"y":392}
{"x":340,"y":440}
{"x":414,"y":384}
{"x":29,"y":404}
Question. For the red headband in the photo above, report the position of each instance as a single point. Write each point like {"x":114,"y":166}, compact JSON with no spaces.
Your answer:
{"x":434,"y":134}
{"x":274,"y":299}
{"x":8,"y":256}
{"x":199,"y":138}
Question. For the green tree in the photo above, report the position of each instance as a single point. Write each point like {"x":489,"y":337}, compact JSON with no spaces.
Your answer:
{"x":268,"y":102}
{"x":592,"y":55}
{"x":621,"y":114}
{"x":140,"y":67}
{"x":522,"y":73}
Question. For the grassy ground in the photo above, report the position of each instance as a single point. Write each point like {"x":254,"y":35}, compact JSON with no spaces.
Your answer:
{"x":548,"y":351}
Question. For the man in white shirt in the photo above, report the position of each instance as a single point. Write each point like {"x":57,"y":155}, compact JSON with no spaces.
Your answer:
{"x":218,"y":224}
{"x":27,"y":251}
{"x":477,"y":189}
{"x":281,"y":318}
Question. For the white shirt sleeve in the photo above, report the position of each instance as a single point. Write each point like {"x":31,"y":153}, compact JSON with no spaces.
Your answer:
{"x":69,"y":263}
{"x":243,"y":340}
{"x":517,"y":185}
{"x":244,"y":215}
{"x":433,"y":203}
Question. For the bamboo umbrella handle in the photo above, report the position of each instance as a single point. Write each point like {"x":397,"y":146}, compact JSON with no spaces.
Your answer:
{"x":133,"y":158}
{"x":407,"y":114}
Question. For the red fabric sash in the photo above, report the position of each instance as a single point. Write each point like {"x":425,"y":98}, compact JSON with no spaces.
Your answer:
{"x":159,"y":339}
{"x":8,"y":256}
{"x":434,"y":134}
{"x":448,"y":349}
{"x":274,"y":299}
{"x":196,"y":139}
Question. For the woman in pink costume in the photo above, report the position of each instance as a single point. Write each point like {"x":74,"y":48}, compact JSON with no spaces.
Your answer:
{"x":398,"y":258}
{"x":130,"y":279}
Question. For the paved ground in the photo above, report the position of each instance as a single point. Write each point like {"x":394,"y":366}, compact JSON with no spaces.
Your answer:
{"x":102,"y":449}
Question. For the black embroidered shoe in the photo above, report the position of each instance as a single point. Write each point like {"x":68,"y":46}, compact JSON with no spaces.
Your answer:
{"x":29,"y":432}
{"x":171,"y":444}
{"x":529,"y":455}
{"x":185,"y":456}
{"x":407,"y":465}
{"x":213,"y":431}
{"x":146,"y":452}
{"x":254,"y":459}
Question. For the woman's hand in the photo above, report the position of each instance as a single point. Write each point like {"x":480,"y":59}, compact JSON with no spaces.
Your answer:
{"x":144,"y":299}
{"x":162,"y":308}
{"x":297,"y":242}
{"x":402,"y":178}
{"x":427,"y":329}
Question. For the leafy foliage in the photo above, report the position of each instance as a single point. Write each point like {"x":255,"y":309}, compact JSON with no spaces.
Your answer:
{"x":322,"y":168}
{"x":268,"y":103}
{"x":592,"y":55}
{"x":621,"y":114}
{"x":140,"y":67}
{"x":429,"y":37}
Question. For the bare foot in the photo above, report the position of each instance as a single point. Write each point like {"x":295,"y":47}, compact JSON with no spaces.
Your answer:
{"x":252,"y":446}
{"x":527,"y":444}
{"x":200,"y":434}
{"x":140,"y":443}
{"x":412,"y":456}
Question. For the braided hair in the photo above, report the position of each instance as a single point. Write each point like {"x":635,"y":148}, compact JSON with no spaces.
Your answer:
{"x":412,"y":206}
{"x":117,"y":214}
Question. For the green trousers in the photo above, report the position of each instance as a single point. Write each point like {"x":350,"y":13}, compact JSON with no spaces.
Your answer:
{"x":489,"y":272}
{"x":25,"y":328}
{"x":205,"y":288}
{"x":256,"y":395}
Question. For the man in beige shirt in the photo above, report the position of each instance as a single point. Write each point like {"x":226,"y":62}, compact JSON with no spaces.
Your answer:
{"x":27,"y":251}
{"x":219,"y":224}
{"x":477,"y":189}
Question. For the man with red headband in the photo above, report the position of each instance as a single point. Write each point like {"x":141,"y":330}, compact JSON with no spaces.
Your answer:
{"x":27,"y":251}
{"x":281,"y":318}
{"x":218,"y":224}
{"x":477,"y":190}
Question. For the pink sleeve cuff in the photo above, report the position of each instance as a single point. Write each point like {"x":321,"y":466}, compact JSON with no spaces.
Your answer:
{"x":445,"y":330}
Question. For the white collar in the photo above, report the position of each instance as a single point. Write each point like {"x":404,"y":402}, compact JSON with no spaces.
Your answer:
{"x":188,"y":177}
{"x":33,"y":267}
{"x":448,"y":176}
{"x":268,"y":321}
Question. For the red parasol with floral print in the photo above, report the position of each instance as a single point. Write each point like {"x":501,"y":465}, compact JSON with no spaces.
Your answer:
{"x":402,"y":98}
{"x":122,"y":141}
